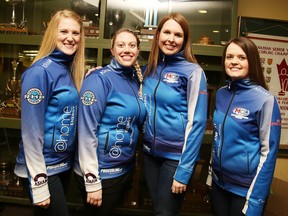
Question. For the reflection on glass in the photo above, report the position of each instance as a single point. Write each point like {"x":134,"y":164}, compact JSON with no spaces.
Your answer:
{"x":210,"y":19}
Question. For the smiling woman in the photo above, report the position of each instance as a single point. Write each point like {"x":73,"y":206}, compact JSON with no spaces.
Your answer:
{"x":175,"y":89}
{"x":247,"y":128}
{"x":125,"y":48}
{"x":111,"y":113}
{"x":49,"y":99}
{"x":68,"y":36}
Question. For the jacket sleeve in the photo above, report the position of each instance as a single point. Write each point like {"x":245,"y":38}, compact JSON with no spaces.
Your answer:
{"x":35,"y":90}
{"x":195,"y":128}
{"x":93,"y":96}
{"x":269,"y":131}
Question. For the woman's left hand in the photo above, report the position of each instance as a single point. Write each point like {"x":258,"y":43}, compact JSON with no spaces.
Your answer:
{"x":178,"y":187}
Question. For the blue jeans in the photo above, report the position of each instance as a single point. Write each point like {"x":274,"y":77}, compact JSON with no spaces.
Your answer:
{"x":159,"y":174}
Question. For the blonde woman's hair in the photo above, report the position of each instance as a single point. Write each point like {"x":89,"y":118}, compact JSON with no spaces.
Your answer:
{"x":140,"y":76}
{"x":49,"y":42}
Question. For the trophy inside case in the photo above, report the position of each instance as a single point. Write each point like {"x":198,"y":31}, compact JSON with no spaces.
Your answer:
{"x":13,"y":27}
{"x":11,"y":107}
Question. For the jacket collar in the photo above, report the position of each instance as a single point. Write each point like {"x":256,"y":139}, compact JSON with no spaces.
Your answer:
{"x":176,"y":57}
{"x":61,"y":58}
{"x":120,"y":69}
{"x":241,"y":84}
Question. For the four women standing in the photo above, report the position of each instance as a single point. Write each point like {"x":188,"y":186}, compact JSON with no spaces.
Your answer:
{"x":112,"y":112}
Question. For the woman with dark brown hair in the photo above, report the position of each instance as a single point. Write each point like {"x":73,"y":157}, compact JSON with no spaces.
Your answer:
{"x":247,"y":128}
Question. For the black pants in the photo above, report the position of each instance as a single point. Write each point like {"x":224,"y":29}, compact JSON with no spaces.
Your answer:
{"x":225,"y":203}
{"x":112,"y":194}
{"x":58,"y":185}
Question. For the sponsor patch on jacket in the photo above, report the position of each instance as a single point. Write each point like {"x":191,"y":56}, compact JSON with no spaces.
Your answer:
{"x":90,"y":178}
{"x":40,"y":179}
{"x":240,"y":113}
{"x":171,"y":78}
{"x":88,"y":98}
{"x":34,"y":96}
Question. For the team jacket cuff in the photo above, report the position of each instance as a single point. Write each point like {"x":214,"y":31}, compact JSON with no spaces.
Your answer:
{"x":40,"y":194}
{"x":93,"y":187}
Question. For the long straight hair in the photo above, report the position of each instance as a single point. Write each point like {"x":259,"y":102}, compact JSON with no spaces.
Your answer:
{"x":49,"y":42}
{"x":254,"y":64}
{"x":155,"y":50}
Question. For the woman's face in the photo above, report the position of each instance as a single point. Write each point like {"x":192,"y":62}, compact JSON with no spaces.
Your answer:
{"x":68,"y":36}
{"x":236,"y":63}
{"x":171,"y":37}
{"x":125,"y":49}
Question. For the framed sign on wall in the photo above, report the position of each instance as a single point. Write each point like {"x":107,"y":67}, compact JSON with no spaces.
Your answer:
{"x":271,"y":39}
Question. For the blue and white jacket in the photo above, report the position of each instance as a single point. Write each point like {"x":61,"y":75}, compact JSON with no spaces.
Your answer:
{"x":111,"y":114}
{"x":176,"y":102}
{"x":49,"y":101}
{"x":247,"y":128}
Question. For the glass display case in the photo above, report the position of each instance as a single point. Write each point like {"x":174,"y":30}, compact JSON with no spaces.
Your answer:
{"x":210,"y":21}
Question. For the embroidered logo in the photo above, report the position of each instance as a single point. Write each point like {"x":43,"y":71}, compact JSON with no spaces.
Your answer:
{"x":47,"y":63}
{"x":90,"y":178}
{"x":88,"y":98}
{"x":34,"y":96}
{"x":240,"y":113}
{"x":171,"y":78}
{"x":40,"y":179}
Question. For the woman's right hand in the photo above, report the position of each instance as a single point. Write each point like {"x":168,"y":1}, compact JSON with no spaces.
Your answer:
{"x":44,"y":204}
{"x":95,"y":198}
{"x":92,"y":69}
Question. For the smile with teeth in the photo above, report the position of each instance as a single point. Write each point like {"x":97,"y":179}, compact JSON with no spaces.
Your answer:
{"x":169,"y":46}
{"x":69,"y":45}
{"x":235,"y":69}
{"x":126,"y":57}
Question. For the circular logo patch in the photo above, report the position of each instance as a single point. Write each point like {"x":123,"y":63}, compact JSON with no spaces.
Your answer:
{"x":34,"y":96}
{"x":88,"y":98}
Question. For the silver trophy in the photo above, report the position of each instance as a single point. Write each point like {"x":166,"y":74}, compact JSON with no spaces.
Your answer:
{"x":12,"y":106}
{"x":13,"y":3}
{"x":14,"y":85}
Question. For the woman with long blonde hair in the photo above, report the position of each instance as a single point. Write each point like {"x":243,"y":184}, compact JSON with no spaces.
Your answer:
{"x":49,"y":102}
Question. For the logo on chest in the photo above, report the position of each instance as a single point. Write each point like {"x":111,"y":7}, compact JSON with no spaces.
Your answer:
{"x":171,"y":78}
{"x":240,"y":113}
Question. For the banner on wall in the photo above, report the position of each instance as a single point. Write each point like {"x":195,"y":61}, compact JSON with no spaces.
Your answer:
{"x":274,"y":59}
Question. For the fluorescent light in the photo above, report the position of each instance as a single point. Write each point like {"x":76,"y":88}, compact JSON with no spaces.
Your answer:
{"x":203,"y":11}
